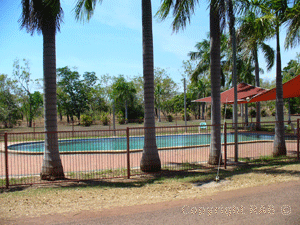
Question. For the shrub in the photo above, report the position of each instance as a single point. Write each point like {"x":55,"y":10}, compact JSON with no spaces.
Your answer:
{"x":263,"y":113}
{"x":170,"y":118}
{"x":228,"y":113}
{"x":105,"y":119}
{"x":252,"y":113}
{"x":86,"y":120}
{"x":121,"y":118}
{"x":140,"y":120}
{"x":188,"y":117}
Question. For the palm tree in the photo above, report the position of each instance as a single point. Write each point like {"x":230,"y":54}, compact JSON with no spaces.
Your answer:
{"x":150,"y":161}
{"x":275,"y":11}
{"x":182,"y":10}
{"x":45,"y":17}
{"x":202,"y":55}
{"x":293,"y":19}
{"x":252,"y":33}
{"x":123,"y":92}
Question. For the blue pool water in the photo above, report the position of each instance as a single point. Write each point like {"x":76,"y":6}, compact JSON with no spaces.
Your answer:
{"x":102,"y":144}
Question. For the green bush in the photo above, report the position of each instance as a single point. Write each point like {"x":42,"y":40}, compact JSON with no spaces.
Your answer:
{"x":252,"y":113}
{"x":170,"y":118}
{"x":188,"y":117}
{"x":121,"y":118}
{"x":86,"y":120}
{"x":263,"y":113}
{"x":105,"y":119}
{"x":228,"y":113}
{"x":140,"y":120}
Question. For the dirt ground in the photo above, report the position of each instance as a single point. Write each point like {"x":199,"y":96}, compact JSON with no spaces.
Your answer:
{"x":76,"y":197}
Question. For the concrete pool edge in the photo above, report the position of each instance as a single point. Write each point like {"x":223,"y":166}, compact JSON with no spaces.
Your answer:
{"x":134,"y":150}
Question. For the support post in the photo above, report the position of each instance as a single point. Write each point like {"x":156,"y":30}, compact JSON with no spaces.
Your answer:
{"x":298,"y":137}
{"x":184,"y":87}
{"x":6,"y":160}
{"x":225,"y":145}
{"x":128,"y":153}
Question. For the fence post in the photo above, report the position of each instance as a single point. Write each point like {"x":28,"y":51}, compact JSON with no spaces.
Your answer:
{"x":128,"y":153}
{"x":298,"y":137}
{"x":225,"y":145}
{"x":6,"y":160}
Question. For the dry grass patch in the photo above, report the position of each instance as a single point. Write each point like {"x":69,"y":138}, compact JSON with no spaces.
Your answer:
{"x":143,"y":189}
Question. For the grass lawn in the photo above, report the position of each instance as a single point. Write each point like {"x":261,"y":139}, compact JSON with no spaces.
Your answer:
{"x":166,"y":185}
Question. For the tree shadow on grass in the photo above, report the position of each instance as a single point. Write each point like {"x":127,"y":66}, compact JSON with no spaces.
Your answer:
{"x":194,"y":173}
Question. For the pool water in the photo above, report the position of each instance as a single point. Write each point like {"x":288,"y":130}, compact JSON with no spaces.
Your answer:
{"x":103,"y":144}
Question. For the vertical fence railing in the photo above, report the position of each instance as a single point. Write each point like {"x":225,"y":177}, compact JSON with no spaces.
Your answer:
{"x":128,"y":152}
{"x":6,"y":161}
{"x":225,"y":145}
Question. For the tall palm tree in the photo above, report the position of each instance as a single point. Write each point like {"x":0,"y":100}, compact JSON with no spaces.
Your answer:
{"x":182,"y":10}
{"x":252,"y":33}
{"x":202,"y":55}
{"x":150,"y":161}
{"x":45,"y":17}
{"x":275,"y":11}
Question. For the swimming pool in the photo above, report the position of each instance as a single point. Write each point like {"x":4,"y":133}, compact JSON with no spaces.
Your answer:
{"x":108,"y":144}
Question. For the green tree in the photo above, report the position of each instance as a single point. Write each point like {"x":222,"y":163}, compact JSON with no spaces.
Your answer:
{"x":293,"y":25}
{"x":150,"y":159}
{"x":182,"y":10}
{"x":165,"y":88}
{"x":123,"y":93}
{"x":44,"y":17}
{"x":32,"y":102}
{"x":253,"y":32}
{"x":10,"y":111}
{"x":198,"y":90}
{"x":75,"y":93}
{"x":202,"y":56}
{"x":275,"y":11}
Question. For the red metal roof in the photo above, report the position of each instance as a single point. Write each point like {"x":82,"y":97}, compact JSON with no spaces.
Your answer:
{"x":243,"y":91}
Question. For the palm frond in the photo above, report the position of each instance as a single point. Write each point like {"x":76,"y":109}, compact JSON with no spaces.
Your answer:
{"x":38,"y":15}
{"x":85,"y":8}
{"x":269,"y":55}
{"x":182,"y":11}
{"x":293,"y":30}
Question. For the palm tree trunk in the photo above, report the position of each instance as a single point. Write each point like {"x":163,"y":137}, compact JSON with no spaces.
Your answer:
{"x":246,"y":114}
{"x":215,"y":145}
{"x":52,"y":168}
{"x":203,"y":110}
{"x":234,"y":79}
{"x":279,"y":141}
{"x":150,"y":161}
{"x":126,"y":112}
{"x":257,"y":83}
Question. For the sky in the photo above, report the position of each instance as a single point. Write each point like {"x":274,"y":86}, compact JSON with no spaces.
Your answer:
{"x":111,"y":42}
